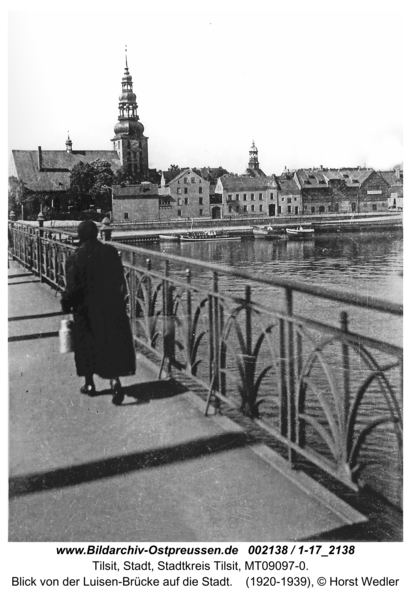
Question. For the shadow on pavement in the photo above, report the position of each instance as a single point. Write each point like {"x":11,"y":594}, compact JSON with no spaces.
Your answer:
{"x":120,"y":465}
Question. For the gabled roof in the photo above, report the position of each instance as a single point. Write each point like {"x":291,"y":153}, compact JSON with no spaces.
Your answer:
{"x":352,"y":177}
{"x":391,"y":178}
{"x":288,"y":185}
{"x":255,"y":172}
{"x":235,"y":183}
{"x":182,"y":173}
{"x":56,"y":165}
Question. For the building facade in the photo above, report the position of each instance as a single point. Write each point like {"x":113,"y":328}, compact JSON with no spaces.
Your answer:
{"x":346,"y":190}
{"x":289,"y":196}
{"x":242,"y":195}
{"x":395,"y":180}
{"x":141,"y":203}
{"x":190,"y":191}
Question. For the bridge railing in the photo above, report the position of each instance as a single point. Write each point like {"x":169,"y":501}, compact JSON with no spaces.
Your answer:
{"x":282,"y":351}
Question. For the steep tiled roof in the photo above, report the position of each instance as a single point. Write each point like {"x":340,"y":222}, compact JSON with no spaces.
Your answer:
{"x":56,"y":166}
{"x":246,"y":184}
{"x":287,"y":185}
{"x":391,"y":178}
{"x":353,"y":177}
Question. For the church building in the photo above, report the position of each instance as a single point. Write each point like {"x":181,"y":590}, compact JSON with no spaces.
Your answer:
{"x":46,"y":173}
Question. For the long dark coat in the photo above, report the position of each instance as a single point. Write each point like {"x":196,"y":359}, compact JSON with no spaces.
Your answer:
{"x":95,"y":294}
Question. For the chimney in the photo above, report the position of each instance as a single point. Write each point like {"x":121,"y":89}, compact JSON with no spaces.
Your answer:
{"x":397,"y":172}
{"x":40,"y":159}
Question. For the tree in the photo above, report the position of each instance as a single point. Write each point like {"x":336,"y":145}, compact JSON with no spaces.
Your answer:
{"x":17,"y":195}
{"x":90,"y":183}
{"x":82,"y":179}
{"x":121,"y":177}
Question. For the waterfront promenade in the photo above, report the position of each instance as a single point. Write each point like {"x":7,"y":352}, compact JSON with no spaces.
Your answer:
{"x":153,"y":469}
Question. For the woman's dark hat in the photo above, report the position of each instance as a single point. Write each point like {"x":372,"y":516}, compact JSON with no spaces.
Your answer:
{"x":87,"y":230}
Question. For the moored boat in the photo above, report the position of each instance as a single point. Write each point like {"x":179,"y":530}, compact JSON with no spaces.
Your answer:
{"x":169,"y":237}
{"x":300,"y":233}
{"x":268,"y":233}
{"x":208,"y":236}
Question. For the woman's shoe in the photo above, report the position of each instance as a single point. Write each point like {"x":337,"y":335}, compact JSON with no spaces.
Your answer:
{"x":118,"y":393}
{"x":88,"y":389}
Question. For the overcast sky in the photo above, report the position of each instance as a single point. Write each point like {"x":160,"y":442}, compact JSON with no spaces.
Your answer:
{"x":310,"y":87}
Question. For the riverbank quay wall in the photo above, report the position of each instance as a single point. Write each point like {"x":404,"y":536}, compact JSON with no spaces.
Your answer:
{"x":244,"y":223}
{"x":329,"y":390}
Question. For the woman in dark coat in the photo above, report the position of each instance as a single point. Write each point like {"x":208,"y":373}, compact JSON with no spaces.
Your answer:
{"x":95,"y":294}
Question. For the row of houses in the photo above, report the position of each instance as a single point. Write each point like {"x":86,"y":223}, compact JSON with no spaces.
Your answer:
{"x":196,"y":193}
{"x":190,"y":194}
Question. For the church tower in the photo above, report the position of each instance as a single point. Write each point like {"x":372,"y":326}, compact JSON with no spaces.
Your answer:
{"x":253,"y":159}
{"x":129,"y":141}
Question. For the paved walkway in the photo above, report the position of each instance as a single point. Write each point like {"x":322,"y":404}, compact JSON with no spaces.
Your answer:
{"x":152,"y":469}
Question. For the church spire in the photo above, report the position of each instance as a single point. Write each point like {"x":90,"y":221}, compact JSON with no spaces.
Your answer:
{"x":69,"y":144}
{"x":129,"y":140}
{"x":253,"y":158}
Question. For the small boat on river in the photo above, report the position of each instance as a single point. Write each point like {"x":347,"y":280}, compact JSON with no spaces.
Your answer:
{"x":300,"y":233}
{"x":208,"y":236}
{"x":169,"y":237}
{"x":268,"y":233}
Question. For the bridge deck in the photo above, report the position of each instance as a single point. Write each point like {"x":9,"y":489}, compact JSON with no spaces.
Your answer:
{"x":152,"y":469}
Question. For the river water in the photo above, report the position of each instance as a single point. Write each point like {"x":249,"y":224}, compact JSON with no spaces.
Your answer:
{"x":369,"y":264}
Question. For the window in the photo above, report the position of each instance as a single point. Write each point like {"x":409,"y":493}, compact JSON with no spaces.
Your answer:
{"x":252,"y":196}
{"x":245,"y":208}
{"x":200,"y":200}
{"x":178,"y":190}
{"x":283,"y":199}
{"x":330,"y":209}
{"x":336,"y":208}
{"x":313,"y":209}
{"x":321,"y":209}
{"x":237,"y":197}
{"x":193,"y":180}
{"x":261,"y":208}
{"x":289,"y":209}
{"x":201,"y":212}
{"x":296,"y":210}
{"x":295,"y":199}
{"x":185,"y":179}
{"x":374,"y":207}
{"x":244,"y":197}
{"x":186,"y":201}
{"x":260,"y":196}
{"x":279,"y":210}
{"x":178,"y":201}
{"x":229,"y":197}
{"x":200,"y":190}
{"x":186,"y":190}
{"x":179,"y":212}
{"x":271,"y":196}
{"x":126,"y":215}
{"x":252,"y":208}
{"x":353,"y":206}
{"x":230,"y":209}
{"x":236,"y":208}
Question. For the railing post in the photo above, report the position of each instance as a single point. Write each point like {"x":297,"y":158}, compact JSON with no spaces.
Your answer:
{"x":40,"y":232}
{"x":346,"y":365}
{"x":133,"y":299}
{"x":168,"y":323}
{"x":292,"y":416}
{"x":217,"y":332}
